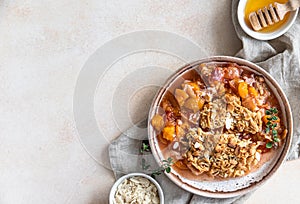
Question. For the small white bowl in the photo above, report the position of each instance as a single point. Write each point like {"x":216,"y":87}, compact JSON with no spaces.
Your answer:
{"x":263,"y":35}
{"x":120,"y":180}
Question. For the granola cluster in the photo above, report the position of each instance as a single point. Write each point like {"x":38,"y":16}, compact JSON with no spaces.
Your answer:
{"x":223,"y":156}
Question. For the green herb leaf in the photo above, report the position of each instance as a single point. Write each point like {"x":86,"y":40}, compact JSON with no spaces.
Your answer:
{"x":268,"y":112}
{"x":274,"y":118}
{"x":274,"y":132}
{"x":168,"y":169}
{"x":276,"y":139}
{"x":269,"y":145}
{"x":271,"y":111}
{"x":145,"y":147}
{"x":155,"y":174}
{"x":267,"y":130}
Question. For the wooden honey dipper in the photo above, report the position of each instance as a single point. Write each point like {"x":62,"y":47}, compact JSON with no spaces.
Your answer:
{"x":271,"y":14}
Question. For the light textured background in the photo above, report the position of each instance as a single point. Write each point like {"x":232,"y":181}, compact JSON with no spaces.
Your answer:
{"x":43,"y":46}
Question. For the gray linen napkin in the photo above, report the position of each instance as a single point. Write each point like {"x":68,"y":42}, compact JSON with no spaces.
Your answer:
{"x":280,"y":57}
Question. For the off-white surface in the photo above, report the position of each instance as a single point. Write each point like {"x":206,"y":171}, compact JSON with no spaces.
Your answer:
{"x":43,"y":46}
{"x":283,"y":187}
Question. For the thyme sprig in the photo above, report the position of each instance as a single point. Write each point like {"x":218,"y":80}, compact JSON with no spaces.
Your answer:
{"x":270,"y":127}
{"x":165,"y":166}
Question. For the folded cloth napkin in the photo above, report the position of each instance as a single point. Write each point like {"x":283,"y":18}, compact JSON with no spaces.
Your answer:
{"x":280,"y":57}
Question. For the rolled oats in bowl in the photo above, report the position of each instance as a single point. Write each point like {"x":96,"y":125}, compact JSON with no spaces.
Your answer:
{"x":136,"y":188}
